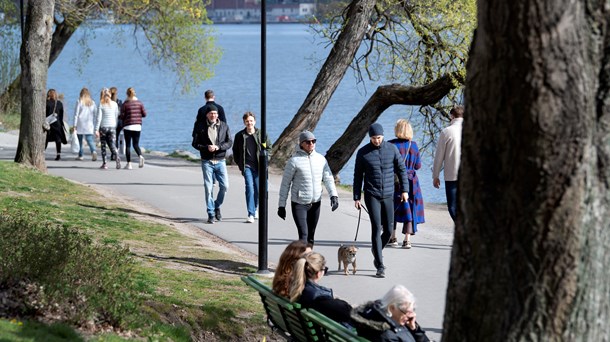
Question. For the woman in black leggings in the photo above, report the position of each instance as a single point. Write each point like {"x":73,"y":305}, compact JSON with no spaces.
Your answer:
{"x":132,"y":113}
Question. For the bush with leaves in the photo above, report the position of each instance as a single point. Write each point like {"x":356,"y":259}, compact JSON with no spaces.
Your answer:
{"x":78,"y":280}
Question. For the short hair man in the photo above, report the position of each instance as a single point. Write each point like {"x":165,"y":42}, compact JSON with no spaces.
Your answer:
{"x":376,"y":164}
{"x":213,"y":141}
{"x":210,"y":99}
{"x":304,"y":173}
{"x":447,"y":157}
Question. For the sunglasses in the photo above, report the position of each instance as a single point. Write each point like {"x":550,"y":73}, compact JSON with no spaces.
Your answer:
{"x":325,"y":270}
{"x":310,"y":141}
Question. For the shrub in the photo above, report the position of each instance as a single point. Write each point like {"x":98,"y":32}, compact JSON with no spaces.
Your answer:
{"x":78,"y":280}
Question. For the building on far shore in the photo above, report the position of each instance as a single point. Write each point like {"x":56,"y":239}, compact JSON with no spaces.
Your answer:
{"x":248,"y":11}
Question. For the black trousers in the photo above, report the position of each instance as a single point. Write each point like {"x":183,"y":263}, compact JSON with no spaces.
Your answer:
{"x":381,"y":213}
{"x":306,"y":218}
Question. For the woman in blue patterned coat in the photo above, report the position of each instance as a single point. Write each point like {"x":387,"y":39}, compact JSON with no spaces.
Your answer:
{"x":411,"y":212}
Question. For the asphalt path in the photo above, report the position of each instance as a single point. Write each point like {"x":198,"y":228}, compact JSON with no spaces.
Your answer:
{"x":175,"y":188}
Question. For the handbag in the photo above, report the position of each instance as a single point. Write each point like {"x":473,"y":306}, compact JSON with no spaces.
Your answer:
{"x":74,"y":144}
{"x":64,"y":125}
{"x":404,"y":160}
{"x":46,"y":125}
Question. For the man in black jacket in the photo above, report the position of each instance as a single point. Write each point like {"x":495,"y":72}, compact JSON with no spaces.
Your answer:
{"x":212,"y":138}
{"x":376,"y":164}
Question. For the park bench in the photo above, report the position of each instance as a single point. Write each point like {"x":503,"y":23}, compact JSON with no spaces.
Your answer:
{"x":294,"y":323}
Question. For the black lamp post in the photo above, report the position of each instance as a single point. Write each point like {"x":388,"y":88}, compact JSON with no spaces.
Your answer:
{"x":262,"y":164}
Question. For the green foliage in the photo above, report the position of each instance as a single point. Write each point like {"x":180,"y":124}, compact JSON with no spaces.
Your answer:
{"x":82,"y":279}
{"x":178,"y":32}
{"x":15,"y":330}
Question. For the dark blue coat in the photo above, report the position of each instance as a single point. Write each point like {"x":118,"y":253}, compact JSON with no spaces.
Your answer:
{"x":375,"y":166}
{"x":322,"y":300}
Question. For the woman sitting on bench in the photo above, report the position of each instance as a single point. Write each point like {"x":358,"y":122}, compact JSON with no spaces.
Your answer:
{"x":308,"y":270}
{"x":392,"y":318}
{"x":283,"y":272}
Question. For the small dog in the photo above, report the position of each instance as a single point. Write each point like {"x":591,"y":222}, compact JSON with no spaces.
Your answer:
{"x":347,"y":255}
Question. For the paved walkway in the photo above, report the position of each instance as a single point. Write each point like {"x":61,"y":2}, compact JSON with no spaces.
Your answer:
{"x":175,"y":187}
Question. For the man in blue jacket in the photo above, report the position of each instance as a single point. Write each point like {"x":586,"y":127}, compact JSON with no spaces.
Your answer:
{"x":376,"y":164}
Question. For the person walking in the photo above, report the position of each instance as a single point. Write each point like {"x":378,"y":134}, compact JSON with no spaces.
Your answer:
{"x":447,"y":157}
{"x":247,"y":146}
{"x":411,"y":212}
{"x":120,"y":138}
{"x":131,"y":116}
{"x":56,"y":131}
{"x":376,"y":164}
{"x":213,"y":141}
{"x":84,"y":116}
{"x":210,"y":100}
{"x":303,"y":176}
{"x":105,"y":126}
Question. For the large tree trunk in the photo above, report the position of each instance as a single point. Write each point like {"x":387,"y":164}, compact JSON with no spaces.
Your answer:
{"x":35,"y":47}
{"x":384,"y":97}
{"x":62,"y":34}
{"x":329,"y":77}
{"x":532,"y":241}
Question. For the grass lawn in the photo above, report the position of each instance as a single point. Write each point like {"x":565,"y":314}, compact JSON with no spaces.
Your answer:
{"x":190,"y":289}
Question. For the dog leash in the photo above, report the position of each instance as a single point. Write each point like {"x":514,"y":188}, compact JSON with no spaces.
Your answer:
{"x":359,"y":216}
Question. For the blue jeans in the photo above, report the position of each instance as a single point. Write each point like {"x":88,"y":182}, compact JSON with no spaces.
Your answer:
{"x":251,"y":179}
{"x":218,"y":170}
{"x":451,"y":188}
{"x":90,"y":142}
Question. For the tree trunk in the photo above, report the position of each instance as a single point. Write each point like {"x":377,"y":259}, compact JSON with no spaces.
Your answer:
{"x":532,"y":242}
{"x":35,"y":47}
{"x":332,"y":72}
{"x":61,"y":36}
{"x":384,"y":97}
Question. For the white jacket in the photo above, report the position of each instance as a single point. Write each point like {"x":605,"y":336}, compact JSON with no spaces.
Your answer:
{"x":303,"y":177}
{"x":84,"y":118}
{"x":448,"y":150}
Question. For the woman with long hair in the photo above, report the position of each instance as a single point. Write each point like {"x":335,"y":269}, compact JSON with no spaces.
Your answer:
{"x":120,"y":139}
{"x":84,"y":118}
{"x":305,"y":290}
{"x":283,"y":272}
{"x":105,"y":126}
{"x":56,"y":132}
{"x":131,"y":116}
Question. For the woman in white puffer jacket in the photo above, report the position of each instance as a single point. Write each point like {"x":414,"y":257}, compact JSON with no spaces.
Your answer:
{"x":303,"y":176}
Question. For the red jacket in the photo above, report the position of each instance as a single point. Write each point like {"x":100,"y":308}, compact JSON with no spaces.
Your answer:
{"x":132,"y":112}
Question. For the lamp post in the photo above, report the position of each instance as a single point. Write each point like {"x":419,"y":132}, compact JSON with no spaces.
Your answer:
{"x":262,"y":163}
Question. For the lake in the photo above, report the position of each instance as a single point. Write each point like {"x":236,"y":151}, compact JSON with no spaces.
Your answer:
{"x":294,"y":56}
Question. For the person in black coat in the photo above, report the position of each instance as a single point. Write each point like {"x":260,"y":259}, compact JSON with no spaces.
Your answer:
{"x":203,"y":111}
{"x":213,"y":140}
{"x":392,"y":318}
{"x":56,"y":132}
{"x":376,"y":164}
{"x":305,"y":290}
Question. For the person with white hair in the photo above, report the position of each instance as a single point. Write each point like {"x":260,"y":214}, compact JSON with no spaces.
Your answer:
{"x":391,"y":318}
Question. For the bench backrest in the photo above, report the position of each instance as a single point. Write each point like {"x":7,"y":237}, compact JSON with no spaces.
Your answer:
{"x":282,"y":314}
{"x":328,"y":329}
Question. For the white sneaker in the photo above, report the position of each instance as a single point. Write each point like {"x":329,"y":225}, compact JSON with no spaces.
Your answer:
{"x":128,"y":166}
{"x":141,"y":165}
{"x":250,"y":219}
{"x":256,"y":214}
{"x":94,"y":156}
{"x":79,"y":158}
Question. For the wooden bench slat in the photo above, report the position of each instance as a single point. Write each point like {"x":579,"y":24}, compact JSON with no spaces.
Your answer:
{"x":295,"y":323}
{"x":330,"y":329}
